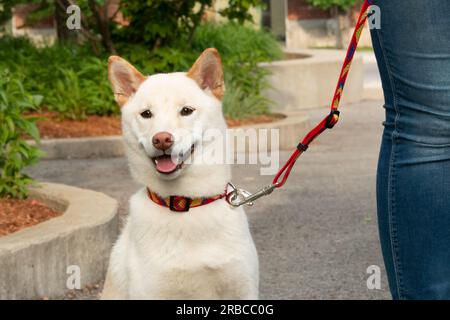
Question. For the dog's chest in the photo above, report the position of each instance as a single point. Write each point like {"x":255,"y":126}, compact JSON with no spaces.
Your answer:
{"x":200,"y":279}
{"x":187,"y":270}
{"x":202,"y":253}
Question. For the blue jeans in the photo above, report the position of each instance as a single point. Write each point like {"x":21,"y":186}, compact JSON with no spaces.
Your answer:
{"x":413,"y":180}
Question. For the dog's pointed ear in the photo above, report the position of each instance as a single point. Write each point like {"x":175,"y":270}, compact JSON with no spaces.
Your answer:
{"x":208,"y":73}
{"x":125,"y":79}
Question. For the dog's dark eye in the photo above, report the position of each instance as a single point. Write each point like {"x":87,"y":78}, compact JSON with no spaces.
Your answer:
{"x":186,"y":111}
{"x":146,"y":114}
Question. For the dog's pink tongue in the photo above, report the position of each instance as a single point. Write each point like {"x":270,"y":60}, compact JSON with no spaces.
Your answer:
{"x":165,"y":164}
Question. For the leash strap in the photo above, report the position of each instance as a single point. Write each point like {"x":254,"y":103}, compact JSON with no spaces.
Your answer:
{"x":238,"y":197}
{"x":330,"y":120}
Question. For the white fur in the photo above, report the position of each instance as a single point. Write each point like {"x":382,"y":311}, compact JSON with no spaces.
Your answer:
{"x":206,"y":253}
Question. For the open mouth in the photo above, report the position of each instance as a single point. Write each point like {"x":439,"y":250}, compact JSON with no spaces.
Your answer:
{"x":165,"y":163}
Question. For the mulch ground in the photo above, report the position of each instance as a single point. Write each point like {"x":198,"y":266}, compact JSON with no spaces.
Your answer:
{"x":51,"y":126}
{"x":94,"y":126}
{"x":17,"y":214}
{"x":264,"y":118}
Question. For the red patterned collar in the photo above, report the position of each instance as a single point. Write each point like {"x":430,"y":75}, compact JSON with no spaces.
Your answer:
{"x":180,"y":203}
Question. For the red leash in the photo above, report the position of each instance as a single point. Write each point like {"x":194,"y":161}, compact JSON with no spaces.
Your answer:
{"x":238,"y":197}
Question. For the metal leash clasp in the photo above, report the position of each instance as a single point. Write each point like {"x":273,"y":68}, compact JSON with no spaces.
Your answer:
{"x":238,"y":197}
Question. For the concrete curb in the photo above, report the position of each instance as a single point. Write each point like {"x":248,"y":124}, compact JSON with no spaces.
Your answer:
{"x":309,"y":81}
{"x":291,"y":129}
{"x":83,"y":148}
{"x":34,"y":261}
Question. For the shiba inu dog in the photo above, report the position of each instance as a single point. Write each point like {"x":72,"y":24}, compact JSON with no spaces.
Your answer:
{"x":182,"y":240}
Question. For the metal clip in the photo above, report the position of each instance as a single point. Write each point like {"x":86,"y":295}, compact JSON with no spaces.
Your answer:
{"x":238,"y":197}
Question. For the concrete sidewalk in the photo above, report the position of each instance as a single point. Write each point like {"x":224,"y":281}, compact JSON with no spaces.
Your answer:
{"x":315,"y":237}
{"x":372,"y":80}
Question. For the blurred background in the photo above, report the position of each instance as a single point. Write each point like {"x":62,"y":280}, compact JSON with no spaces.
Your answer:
{"x":161,"y":36}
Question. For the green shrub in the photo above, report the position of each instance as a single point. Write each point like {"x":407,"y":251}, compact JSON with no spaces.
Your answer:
{"x":68,"y":98}
{"x":242,"y":48}
{"x":162,"y":23}
{"x":75,"y":82}
{"x":238,"y":105}
{"x":327,"y":4}
{"x":162,"y":60}
{"x":234,"y":40}
{"x":15,"y":152}
{"x":75,"y":95}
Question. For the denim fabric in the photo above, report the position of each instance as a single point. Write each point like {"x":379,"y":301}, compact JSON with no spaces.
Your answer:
{"x":413,"y":180}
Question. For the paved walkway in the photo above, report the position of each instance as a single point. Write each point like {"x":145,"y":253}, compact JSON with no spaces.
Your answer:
{"x":371,"y":74}
{"x":318,"y":235}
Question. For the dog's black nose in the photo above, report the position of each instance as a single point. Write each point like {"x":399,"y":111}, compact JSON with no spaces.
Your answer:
{"x":162,"y":140}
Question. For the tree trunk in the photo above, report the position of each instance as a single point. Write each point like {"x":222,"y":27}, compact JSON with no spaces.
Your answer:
{"x":63,"y":33}
{"x":196,"y":19}
{"x":102,"y":22}
{"x":342,"y":26}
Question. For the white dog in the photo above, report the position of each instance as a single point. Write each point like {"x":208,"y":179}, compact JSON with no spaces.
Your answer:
{"x":182,"y":240}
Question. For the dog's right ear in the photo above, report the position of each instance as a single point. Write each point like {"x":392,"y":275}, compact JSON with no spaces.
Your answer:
{"x":124,"y":78}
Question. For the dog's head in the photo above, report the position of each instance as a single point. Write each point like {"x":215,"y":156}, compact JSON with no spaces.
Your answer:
{"x":164,"y":115}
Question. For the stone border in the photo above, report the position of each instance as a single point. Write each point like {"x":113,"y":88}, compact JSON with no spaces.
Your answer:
{"x":310,"y":81}
{"x":83,"y":148}
{"x":291,"y":129}
{"x":34,"y":261}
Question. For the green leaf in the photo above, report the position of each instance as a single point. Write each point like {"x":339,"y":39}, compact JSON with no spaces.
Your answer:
{"x":15,"y":153}
{"x":37,"y":99}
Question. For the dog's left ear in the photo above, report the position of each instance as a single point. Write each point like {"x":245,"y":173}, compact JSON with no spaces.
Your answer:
{"x":125,"y":79}
{"x":207,"y":72}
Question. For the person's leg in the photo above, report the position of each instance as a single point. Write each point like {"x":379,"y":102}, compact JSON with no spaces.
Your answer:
{"x":413,"y":180}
